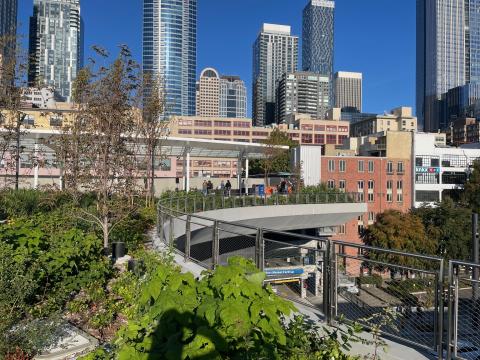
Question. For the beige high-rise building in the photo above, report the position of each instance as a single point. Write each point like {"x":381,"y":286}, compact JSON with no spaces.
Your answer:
{"x":220,"y":96}
{"x":208,"y":94}
{"x":348,"y":90}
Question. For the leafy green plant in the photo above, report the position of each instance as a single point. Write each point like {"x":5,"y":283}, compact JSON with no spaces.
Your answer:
{"x":374,"y":279}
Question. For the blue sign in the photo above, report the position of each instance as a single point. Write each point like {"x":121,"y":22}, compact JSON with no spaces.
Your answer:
{"x":283,"y":272}
{"x":260,"y":190}
{"x":427,"y":170}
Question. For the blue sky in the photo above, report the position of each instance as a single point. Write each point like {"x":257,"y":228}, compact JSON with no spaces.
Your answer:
{"x":376,"y":37}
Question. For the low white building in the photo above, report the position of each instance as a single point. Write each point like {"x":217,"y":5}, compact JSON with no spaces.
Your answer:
{"x":439,"y":170}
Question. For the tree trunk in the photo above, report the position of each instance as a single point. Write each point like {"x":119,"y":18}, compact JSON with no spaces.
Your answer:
{"x":105,"y":229}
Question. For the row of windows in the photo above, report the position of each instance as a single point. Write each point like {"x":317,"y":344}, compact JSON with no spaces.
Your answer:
{"x":454,"y":178}
{"x":342,"y":165}
{"x":459,"y":161}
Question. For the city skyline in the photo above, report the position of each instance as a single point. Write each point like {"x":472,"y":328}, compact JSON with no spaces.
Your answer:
{"x":364,"y":50}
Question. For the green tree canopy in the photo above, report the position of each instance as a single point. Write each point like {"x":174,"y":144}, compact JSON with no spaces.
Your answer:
{"x":449,"y":226}
{"x":398,"y":231}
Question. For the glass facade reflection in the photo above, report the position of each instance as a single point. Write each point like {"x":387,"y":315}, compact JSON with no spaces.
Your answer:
{"x":170,"y":50}
{"x":56,"y":45}
{"x":8,"y":20}
{"x":317,"y":36}
{"x":448,"y":55}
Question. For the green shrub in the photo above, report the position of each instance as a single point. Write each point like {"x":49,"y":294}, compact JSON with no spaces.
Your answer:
{"x":374,"y":279}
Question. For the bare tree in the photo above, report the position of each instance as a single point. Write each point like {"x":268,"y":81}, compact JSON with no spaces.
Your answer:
{"x":13,"y":70}
{"x":275,"y":158}
{"x":154,"y":129}
{"x":101,"y":156}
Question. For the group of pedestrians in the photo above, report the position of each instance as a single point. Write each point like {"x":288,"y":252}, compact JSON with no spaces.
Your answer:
{"x":225,"y":187}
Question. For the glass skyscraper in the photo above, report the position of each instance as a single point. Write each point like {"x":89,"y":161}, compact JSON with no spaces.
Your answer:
{"x":8,"y":17}
{"x":448,"y":54}
{"x":56,"y":45}
{"x":317,"y":37}
{"x":8,"y":22}
{"x":170,"y":50}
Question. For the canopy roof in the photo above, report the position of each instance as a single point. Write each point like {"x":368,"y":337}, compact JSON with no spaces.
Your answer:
{"x":171,"y":146}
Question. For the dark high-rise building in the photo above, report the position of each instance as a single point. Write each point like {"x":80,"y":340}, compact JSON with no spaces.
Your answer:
{"x":275,"y":53}
{"x":8,"y":23}
{"x":8,"y":17}
{"x":317,"y":37}
{"x":56,"y":45}
{"x":170,"y":50}
{"x":448,"y":54}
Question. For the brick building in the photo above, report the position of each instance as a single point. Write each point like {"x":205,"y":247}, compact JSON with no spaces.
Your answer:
{"x":383,"y":183}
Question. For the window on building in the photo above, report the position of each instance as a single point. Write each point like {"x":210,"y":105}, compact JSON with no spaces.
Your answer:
{"x":203,"y":123}
{"x":342,"y":165}
{"x":331,"y":184}
{"x":361,"y":166}
{"x":331,"y":165}
{"x":361,"y":228}
{"x":307,"y":138}
{"x":427,"y":178}
{"x":418,"y":161}
{"x":319,"y":139}
{"x":371,"y":216}
{"x":361,"y":197}
{"x":458,"y":161}
{"x":371,"y":184}
{"x":371,"y":167}
{"x":342,"y":184}
{"x":332,"y":139}
{"x":371,"y":197}
{"x":454,"y":178}
{"x":361,"y":185}
{"x":56,"y":121}
{"x":427,"y":196}
{"x":389,"y":167}
{"x":400,"y":168}
{"x":389,"y":184}
{"x":202,"y":132}
{"x":341,"y":229}
{"x":389,"y":197}
{"x":399,"y":185}
{"x":307,"y":127}
{"x":400,"y":197}
{"x":29,"y":120}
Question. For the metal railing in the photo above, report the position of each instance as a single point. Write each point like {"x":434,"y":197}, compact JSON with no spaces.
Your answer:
{"x":345,"y":280}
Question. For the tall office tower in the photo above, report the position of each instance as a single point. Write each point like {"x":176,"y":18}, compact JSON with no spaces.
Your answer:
{"x":56,"y":45}
{"x":170,"y":50}
{"x":348,"y":90}
{"x":448,"y":54}
{"x":275,"y":52}
{"x":303,"y":93}
{"x":233,"y":97}
{"x":8,"y":17}
{"x":208,"y":94}
{"x":8,"y":26}
{"x":317,"y":37}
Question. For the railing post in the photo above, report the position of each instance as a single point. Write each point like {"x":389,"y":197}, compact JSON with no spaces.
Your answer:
{"x":214,"y":202}
{"x":254,"y":199}
{"x":188,"y":237}
{"x":171,"y":201}
{"x":451,"y":315}
{"x":186,"y":204}
{"x":316,"y":199}
{"x":178,"y":204}
{"x":276,"y":199}
{"x":195,"y":204}
{"x":203,"y":203}
{"x":223,"y":201}
{"x":215,"y":245}
{"x":243,"y":201}
{"x":441,"y":312}
{"x":260,"y":250}
{"x":327,"y":283}
{"x":161,"y":224}
{"x":171,"y":235}
{"x":333,"y":284}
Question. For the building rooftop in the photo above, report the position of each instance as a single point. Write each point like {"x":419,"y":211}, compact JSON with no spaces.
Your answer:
{"x":276,"y":29}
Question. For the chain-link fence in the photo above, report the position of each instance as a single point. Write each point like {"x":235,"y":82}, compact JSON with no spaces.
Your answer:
{"x":464,"y":311}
